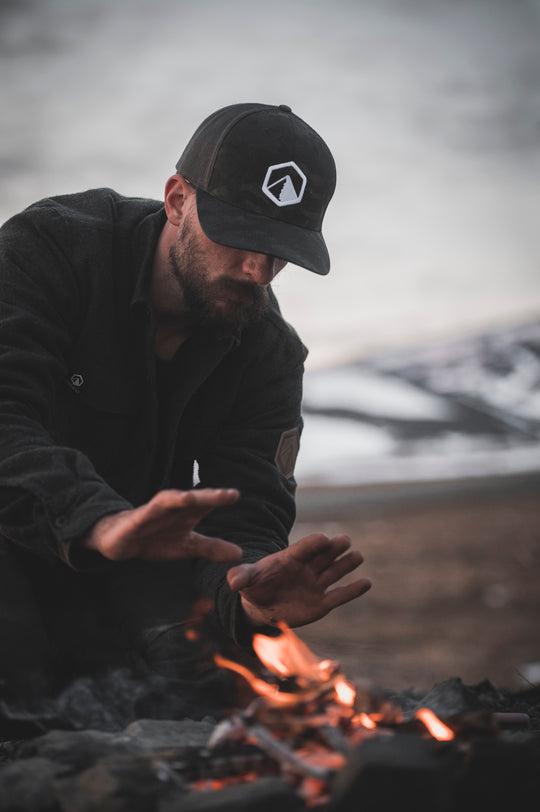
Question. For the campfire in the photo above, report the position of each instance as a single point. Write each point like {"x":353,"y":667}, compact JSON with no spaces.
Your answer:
{"x":304,"y":737}
{"x":309,"y":721}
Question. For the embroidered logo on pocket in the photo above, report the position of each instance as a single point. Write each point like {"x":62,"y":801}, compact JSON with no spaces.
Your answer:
{"x":76,"y":380}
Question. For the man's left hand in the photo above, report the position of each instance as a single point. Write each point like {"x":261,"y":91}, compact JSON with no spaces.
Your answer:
{"x":293,"y":585}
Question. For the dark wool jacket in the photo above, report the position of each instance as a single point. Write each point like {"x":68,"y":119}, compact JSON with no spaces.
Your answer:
{"x":82,"y":431}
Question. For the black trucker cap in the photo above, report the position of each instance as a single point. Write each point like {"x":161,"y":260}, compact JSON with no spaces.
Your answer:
{"x":264,"y":179}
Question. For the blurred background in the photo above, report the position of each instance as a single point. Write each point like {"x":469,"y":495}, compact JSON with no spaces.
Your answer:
{"x":422,"y":395}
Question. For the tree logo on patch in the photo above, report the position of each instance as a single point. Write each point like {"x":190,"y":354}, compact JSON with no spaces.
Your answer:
{"x":284,"y":184}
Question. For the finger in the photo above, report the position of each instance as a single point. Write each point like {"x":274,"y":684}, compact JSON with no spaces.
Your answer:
{"x":308,"y":548}
{"x":212,"y":496}
{"x":199,"y":546}
{"x":214,"y":549}
{"x":168,"y":507}
{"x":338,"y":545}
{"x":343,"y":566}
{"x":344,"y":594}
{"x":240,"y":577}
{"x":204,"y":499}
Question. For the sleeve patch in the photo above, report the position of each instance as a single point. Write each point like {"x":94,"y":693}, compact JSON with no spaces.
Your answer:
{"x":287,"y":452}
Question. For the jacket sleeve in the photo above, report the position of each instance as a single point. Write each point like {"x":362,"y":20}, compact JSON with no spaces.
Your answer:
{"x":50,"y":494}
{"x":254,"y":451}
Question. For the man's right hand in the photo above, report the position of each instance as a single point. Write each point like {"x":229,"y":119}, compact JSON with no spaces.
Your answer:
{"x":163,"y":529}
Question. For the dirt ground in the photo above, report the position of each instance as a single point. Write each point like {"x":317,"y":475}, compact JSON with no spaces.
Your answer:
{"x":456,"y":593}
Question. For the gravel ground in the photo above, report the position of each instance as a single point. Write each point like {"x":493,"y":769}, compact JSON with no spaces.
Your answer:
{"x":455,"y":592}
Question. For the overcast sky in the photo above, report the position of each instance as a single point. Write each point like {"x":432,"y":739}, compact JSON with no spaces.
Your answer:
{"x":431,"y":107}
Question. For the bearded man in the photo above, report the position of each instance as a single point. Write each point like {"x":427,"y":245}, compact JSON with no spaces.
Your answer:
{"x":150,"y":411}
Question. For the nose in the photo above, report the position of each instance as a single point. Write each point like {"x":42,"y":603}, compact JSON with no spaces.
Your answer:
{"x":259,"y":268}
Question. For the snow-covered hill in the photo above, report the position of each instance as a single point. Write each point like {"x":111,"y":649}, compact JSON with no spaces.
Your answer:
{"x":469,"y":407}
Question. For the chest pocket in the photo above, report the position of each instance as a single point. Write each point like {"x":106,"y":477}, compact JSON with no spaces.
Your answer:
{"x":102,"y":388}
{"x":97,"y":413}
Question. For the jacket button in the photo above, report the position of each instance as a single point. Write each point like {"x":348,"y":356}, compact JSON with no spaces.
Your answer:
{"x":61,"y":521}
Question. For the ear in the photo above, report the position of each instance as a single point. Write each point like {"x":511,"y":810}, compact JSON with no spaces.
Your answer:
{"x":177,"y":190}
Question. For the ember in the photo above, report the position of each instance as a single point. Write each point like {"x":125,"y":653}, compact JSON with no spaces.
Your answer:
{"x":437,"y":729}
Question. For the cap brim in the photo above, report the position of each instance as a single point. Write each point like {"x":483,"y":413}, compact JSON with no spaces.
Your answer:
{"x":231,"y":226}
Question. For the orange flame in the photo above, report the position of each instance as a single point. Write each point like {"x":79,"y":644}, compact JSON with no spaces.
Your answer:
{"x":259,"y":686}
{"x":365,"y":721}
{"x":288,"y":656}
{"x":345,"y":693}
{"x":437,"y":728}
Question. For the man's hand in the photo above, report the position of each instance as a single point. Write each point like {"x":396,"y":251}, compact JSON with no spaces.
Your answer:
{"x":162,"y":529}
{"x":292,"y":585}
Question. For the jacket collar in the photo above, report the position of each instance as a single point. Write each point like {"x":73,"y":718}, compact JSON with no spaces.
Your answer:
{"x":143,"y":251}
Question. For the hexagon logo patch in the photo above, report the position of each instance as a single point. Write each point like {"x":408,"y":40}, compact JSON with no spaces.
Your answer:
{"x":284,"y":184}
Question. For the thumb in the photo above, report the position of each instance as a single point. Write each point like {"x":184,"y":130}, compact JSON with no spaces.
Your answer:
{"x":240,"y":577}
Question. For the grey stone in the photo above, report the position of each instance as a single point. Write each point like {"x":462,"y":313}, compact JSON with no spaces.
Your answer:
{"x":450,"y":697}
{"x":265,"y":795}
{"x":155,"y":734}
{"x":117,"y":784}
{"x":74,"y":749}
{"x":28,"y":785}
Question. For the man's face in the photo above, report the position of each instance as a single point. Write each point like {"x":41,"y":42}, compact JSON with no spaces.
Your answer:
{"x":222,"y":286}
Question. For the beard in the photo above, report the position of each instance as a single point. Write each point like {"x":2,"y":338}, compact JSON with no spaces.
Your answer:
{"x":221,"y":302}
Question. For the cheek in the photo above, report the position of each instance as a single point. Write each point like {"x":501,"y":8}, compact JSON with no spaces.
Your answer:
{"x":223,"y":260}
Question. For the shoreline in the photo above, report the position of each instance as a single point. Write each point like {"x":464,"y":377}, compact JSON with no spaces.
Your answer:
{"x":316,"y":501}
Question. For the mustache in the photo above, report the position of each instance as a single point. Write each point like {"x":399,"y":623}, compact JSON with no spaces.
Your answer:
{"x":243,"y":289}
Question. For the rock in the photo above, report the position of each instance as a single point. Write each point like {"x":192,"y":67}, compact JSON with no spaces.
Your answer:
{"x":118,"y":784}
{"x":264,"y":795}
{"x":450,"y":697}
{"x":138,"y":769}
{"x":28,"y":785}
{"x":155,"y":734}
{"x":75,"y":749}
